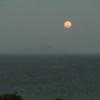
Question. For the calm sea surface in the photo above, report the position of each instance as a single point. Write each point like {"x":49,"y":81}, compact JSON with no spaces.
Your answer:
{"x":46,"y":77}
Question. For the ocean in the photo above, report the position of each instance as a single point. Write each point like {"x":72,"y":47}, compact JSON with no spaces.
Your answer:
{"x":47,"y":77}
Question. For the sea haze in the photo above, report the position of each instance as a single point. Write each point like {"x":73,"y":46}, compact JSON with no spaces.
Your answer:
{"x":49,"y":76}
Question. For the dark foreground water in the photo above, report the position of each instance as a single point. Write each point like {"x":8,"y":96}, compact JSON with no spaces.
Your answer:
{"x":46,"y":77}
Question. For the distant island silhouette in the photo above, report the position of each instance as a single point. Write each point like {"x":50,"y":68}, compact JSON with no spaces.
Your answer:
{"x":14,"y":96}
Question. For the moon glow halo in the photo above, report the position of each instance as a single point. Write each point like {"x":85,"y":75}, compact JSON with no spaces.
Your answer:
{"x":68,"y":24}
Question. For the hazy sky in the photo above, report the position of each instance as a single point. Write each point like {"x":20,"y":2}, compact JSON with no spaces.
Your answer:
{"x":32,"y":26}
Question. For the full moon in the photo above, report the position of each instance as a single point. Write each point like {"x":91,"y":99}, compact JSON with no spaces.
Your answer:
{"x":68,"y":24}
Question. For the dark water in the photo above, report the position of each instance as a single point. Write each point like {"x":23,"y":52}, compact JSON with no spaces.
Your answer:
{"x":46,"y":77}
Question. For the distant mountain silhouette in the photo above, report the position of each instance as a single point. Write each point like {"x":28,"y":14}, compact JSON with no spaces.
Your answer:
{"x":41,"y":50}
{"x":38,"y":49}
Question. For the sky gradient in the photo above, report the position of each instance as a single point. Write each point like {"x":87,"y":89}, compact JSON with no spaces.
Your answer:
{"x":36,"y":26}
